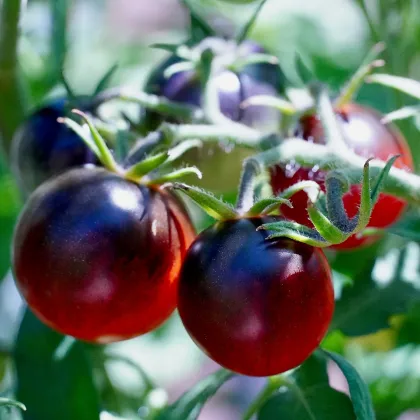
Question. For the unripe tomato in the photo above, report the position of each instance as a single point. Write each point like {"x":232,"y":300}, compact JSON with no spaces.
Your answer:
{"x":43,"y":147}
{"x":234,"y":88}
{"x":256,"y":307}
{"x":98,"y":257}
{"x":367,"y":136}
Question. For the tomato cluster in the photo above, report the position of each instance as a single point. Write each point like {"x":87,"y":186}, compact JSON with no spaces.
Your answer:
{"x":367,"y":136}
{"x":102,"y":257}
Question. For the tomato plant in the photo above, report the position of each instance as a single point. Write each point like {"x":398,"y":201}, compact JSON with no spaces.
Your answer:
{"x":125,"y":282}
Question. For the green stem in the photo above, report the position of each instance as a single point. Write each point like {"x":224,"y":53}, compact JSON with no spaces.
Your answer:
{"x":58,"y":40}
{"x":11,"y":92}
{"x":273,"y":383}
{"x":399,"y":182}
{"x":245,"y":200}
{"x":152,"y":102}
{"x":212,"y":133}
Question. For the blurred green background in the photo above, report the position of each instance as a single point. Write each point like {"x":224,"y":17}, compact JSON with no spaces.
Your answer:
{"x":332,"y":36}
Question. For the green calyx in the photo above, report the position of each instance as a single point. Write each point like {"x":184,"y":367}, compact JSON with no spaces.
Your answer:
{"x":332,"y":226}
{"x":145,"y":170}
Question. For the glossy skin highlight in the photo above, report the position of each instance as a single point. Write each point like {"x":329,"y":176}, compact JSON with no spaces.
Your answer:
{"x":367,"y":136}
{"x":256,"y":307}
{"x":98,"y":257}
{"x":43,"y":147}
{"x":233,"y":88}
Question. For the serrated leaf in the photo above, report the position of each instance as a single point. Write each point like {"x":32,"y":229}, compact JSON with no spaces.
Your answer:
{"x":409,"y":86}
{"x":308,"y":396}
{"x":359,"y":391}
{"x":211,"y":205}
{"x":53,"y":389}
{"x":189,"y":406}
{"x":379,"y":291}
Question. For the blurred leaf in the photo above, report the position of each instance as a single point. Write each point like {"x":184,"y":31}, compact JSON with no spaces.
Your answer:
{"x":6,"y":402}
{"x":408,"y":227}
{"x":189,"y":406}
{"x":359,"y":391}
{"x":402,"y":114}
{"x":9,"y":207}
{"x":199,"y":28}
{"x":245,"y":30}
{"x":366,"y":306}
{"x":308,"y":396}
{"x":409,"y":330}
{"x":409,"y":86}
{"x":52,"y":389}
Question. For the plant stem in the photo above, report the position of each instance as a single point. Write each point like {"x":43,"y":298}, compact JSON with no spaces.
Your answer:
{"x":152,"y":102}
{"x":245,"y":200}
{"x":58,"y":40}
{"x":11,"y":93}
{"x":273,"y":383}
{"x":213,"y":133}
{"x":399,"y":182}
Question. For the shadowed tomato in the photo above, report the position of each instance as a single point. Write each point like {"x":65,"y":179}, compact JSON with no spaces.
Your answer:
{"x":43,"y":147}
{"x":256,"y":307}
{"x":367,"y":136}
{"x":233,"y":87}
{"x":98,"y":257}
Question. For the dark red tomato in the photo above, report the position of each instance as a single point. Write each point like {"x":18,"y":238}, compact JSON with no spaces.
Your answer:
{"x":256,"y":307}
{"x":233,"y":87}
{"x":43,"y":147}
{"x":368,"y":137}
{"x":98,"y":257}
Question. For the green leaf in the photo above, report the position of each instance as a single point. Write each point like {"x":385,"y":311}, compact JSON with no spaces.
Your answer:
{"x":409,"y":86}
{"x":308,"y":396}
{"x":402,"y":114}
{"x":243,"y":33}
{"x":53,"y":388}
{"x":199,"y":28}
{"x":189,"y":406}
{"x":379,"y":291}
{"x":359,"y":391}
{"x":106,"y":79}
{"x":6,"y":402}
{"x":211,"y":205}
{"x":145,"y":166}
{"x":408,"y":227}
{"x":9,"y":208}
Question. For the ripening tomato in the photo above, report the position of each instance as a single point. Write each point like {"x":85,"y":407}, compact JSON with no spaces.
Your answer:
{"x":257,"y":307}
{"x":98,"y":257}
{"x":43,"y":147}
{"x":233,"y":87}
{"x":367,"y":136}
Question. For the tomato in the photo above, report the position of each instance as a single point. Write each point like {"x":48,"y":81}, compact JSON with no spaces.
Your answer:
{"x":367,"y":136}
{"x":98,"y":257}
{"x":43,"y":147}
{"x":233,"y":87}
{"x":256,"y":307}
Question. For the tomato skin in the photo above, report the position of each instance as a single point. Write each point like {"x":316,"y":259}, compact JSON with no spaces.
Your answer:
{"x":367,"y":136}
{"x":233,"y":88}
{"x":256,"y":307}
{"x":98,"y":257}
{"x":43,"y":147}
